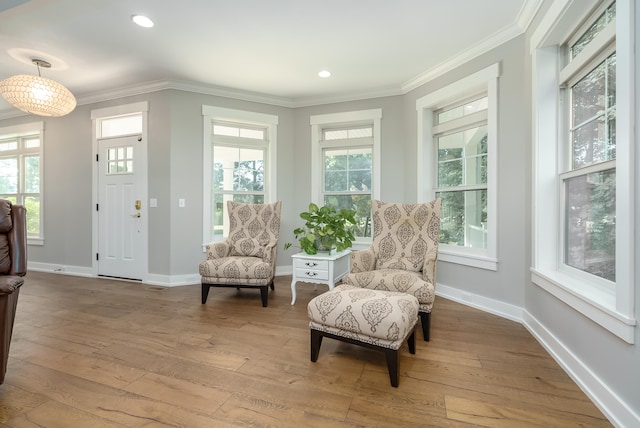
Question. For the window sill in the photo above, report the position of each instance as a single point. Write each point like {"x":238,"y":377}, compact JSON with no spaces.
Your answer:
{"x":594,"y":303}
{"x":35,"y":241}
{"x":451,"y":254}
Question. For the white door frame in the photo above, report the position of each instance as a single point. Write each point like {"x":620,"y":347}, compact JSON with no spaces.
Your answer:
{"x":141,"y":168}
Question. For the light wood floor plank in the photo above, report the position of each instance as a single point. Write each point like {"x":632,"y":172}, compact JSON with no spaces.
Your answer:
{"x":99,"y":352}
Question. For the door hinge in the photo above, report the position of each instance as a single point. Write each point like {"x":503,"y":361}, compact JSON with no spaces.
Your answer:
{"x":97,"y":207}
{"x":97,"y":257}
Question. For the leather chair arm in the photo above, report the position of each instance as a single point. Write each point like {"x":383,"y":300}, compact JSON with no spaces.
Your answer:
{"x":18,"y":241}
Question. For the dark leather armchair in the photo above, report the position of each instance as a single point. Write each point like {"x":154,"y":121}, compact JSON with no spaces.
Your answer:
{"x":13,"y":266}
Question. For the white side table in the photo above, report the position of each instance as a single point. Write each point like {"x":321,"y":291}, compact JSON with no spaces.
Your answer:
{"x":319,"y":269}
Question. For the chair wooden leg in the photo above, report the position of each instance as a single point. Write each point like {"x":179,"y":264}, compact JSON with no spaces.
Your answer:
{"x":393,"y":364}
{"x":425,"y":318}
{"x":272,"y":286}
{"x":205,"y":293}
{"x":264,"y":293}
{"x":411,"y":341}
{"x":316,"y":341}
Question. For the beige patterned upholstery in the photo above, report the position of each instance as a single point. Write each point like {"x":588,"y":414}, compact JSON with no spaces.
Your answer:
{"x":403,"y":253}
{"x":380,"y":320}
{"x":247,"y":258}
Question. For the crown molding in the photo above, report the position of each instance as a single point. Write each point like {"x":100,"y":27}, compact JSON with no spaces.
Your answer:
{"x":523,"y":21}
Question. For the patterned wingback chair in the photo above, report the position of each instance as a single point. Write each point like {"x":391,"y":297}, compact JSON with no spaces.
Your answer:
{"x":403,"y":253}
{"x":247,"y":258}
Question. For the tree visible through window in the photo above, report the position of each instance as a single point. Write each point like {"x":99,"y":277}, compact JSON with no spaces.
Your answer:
{"x":238,"y":171}
{"x":20,"y":175}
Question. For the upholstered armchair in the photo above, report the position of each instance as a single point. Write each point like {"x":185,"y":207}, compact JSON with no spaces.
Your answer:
{"x":403,"y":254}
{"x":247,"y":258}
{"x":13,"y":266}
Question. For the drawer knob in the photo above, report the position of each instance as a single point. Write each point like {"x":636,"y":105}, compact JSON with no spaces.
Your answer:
{"x":312,"y":273}
{"x":311,"y":264}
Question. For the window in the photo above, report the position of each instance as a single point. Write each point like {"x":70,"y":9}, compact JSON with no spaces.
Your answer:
{"x":239,"y":164}
{"x":457,"y":129}
{"x":462,"y":173}
{"x":583,"y":163}
{"x":345,"y":159}
{"x":21,"y":173}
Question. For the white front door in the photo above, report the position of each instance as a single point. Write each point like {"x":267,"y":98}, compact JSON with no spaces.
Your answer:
{"x":121,"y":215}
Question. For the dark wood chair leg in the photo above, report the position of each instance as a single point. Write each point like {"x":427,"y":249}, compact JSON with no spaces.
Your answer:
{"x":272,"y":286}
{"x":205,"y":293}
{"x":411,"y":341}
{"x":316,"y":341}
{"x":393,"y":365}
{"x":425,"y":318}
{"x":264,"y":293}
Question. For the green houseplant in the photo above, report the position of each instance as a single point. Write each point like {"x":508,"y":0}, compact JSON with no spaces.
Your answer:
{"x":325,"y":229}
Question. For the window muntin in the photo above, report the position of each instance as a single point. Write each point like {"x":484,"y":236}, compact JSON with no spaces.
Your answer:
{"x":238,"y":165}
{"x":20,"y":177}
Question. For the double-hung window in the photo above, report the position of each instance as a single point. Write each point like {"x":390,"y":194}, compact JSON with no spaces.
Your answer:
{"x":461,"y":178}
{"x":457,"y":132}
{"x":583,"y":162}
{"x":21,"y":173}
{"x":239,"y":164}
{"x":345,"y":164}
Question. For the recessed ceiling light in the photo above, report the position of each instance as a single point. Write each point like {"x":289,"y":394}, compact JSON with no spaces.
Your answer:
{"x":324,"y":73}
{"x":142,"y":21}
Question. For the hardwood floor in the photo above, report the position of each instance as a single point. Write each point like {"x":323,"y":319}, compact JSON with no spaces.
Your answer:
{"x":106,"y":353}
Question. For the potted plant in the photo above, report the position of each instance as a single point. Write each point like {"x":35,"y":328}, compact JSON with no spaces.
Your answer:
{"x":325,"y":230}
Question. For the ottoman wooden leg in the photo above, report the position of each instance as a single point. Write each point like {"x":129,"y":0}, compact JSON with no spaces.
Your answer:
{"x":316,"y":341}
{"x":393,"y":364}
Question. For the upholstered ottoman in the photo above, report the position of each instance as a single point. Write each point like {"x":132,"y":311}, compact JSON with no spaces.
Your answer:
{"x":380,"y":320}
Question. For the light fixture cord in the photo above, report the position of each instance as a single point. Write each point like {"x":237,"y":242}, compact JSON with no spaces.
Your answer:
{"x":38,"y":65}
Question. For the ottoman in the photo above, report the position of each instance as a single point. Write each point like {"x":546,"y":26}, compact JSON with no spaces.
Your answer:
{"x":379,"y":320}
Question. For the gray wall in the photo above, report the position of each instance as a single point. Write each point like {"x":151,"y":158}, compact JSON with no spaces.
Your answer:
{"x":175,"y":171}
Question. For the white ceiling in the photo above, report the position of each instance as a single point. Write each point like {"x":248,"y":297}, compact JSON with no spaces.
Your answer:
{"x":259,"y":49}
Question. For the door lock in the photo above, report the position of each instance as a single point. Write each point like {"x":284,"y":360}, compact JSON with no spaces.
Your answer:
{"x":138,"y":204}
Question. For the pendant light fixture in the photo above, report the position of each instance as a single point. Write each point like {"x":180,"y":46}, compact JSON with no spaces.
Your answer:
{"x":38,"y":95}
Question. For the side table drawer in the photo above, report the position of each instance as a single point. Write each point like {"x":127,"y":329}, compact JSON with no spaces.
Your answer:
{"x":311,"y":264}
{"x":310,"y":273}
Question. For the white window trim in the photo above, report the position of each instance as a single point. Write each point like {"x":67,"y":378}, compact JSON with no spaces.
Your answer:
{"x":485,"y":80}
{"x":318,"y":122}
{"x":213,"y":113}
{"x":29,"y":129}
{"x":611,"y":309}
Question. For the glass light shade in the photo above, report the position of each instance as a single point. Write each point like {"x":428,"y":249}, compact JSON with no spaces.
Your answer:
{"x":38,"y":95}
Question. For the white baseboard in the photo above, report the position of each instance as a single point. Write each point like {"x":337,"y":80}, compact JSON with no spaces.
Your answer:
{"x":496,"y":307}
{"x":61,"y":269}
{"x":618,"y":413}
